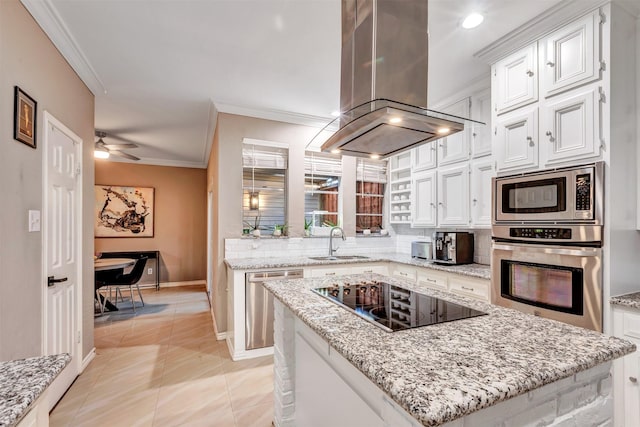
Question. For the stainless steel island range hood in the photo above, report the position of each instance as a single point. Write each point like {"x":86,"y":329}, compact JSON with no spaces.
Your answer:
{"x":383,"y":82}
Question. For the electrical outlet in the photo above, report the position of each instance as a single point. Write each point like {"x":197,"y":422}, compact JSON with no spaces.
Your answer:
{"x":150,"y":271}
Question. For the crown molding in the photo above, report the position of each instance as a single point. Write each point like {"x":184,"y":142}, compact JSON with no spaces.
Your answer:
{"x":549,"y":20}
{"x":276,"y":115}
{"x":47,"y":16}
{"x":157,"y":162}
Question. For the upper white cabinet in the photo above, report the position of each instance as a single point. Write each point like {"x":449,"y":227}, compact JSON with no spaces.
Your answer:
{"x":423,"y":157}
{"x":453,"y":195}
{"x":423,"y":205}
{"x":481,"y":173}
{"x":570,"y":57}
{"x":455,"y":148}
{"x":570,"y":126}
{"x":481,"y":134}
{"x":516,"y":136}
{"x":515,"y":80}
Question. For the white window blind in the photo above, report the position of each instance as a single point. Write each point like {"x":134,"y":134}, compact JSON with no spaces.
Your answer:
{"x":260,"y":156}
{"x":370,"y":170}
{"x":322,"y":164}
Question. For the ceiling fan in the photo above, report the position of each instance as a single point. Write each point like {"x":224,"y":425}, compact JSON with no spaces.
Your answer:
{"x":104,"y":150}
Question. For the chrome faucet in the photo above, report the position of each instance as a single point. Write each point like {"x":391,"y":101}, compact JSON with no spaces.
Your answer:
{"x":331,"y":250}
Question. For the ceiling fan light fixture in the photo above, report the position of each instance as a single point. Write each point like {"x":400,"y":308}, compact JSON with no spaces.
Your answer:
{"x":100,"y":154}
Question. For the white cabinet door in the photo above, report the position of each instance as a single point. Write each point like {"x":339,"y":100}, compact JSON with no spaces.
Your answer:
{"x":453,"y":195}
{"x":424,"y":195}
{"x":369,"y":269}
{"x":571,"y":56}
{"x":423,"y":157}
{"x":515,"y":79}
{"x":481,"y":134}
{"x":481,"y":173}
{"x":455,"y":148}
{"x":516,"y":140}
{"x":570,"y":126}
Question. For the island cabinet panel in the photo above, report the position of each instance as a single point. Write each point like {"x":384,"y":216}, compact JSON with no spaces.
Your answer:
{"x":626,"y":377}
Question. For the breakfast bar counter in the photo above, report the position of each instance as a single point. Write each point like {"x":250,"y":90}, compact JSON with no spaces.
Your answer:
{"x":23,"y":381}
{"x":505,"y":367}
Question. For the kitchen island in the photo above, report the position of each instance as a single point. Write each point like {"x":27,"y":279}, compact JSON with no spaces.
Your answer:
{"x":506,"y":367}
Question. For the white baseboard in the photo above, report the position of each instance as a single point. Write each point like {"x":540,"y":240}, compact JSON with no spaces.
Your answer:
{"x":88,"y":358}
{"x":219,"y":335}
{"x":174,"y":284}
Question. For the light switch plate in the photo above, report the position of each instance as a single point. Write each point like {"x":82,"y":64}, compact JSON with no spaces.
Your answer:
{"x":34,"y":221}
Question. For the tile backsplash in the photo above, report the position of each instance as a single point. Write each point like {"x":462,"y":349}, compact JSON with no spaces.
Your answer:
{"x":319,"y":246}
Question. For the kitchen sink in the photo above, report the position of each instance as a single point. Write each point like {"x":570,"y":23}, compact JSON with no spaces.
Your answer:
{"x":337,"y":257}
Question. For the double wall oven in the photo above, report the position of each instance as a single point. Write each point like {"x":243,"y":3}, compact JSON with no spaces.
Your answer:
{"x":546,"y":256}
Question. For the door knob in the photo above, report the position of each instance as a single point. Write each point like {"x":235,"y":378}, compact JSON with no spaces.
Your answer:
{"x":51,"y":281}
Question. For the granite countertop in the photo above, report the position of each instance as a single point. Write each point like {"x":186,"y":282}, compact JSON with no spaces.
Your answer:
{"x":442,"y":372}
{"x":628,"y":300}
{"x":23,"y":381}
{"x":480,"y":271}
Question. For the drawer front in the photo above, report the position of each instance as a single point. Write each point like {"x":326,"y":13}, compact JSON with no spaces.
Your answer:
{"x":631,"y":326}
{"x":470,"y":288}
{"x":334,"y":271}
{"x":367,"y":269}
{"x":434,"y":281}
{"x":405,"y":273}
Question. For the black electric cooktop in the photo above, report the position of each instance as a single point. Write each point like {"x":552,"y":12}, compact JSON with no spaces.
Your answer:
{"x":393,"y":308}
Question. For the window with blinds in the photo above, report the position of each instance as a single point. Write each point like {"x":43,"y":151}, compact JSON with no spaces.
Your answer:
{"x":371,"y":178}
{"x":264,"y":179}
{"x":322,"y":174}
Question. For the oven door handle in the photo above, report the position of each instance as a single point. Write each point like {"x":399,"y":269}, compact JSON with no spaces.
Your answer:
{"x":549,"y":250}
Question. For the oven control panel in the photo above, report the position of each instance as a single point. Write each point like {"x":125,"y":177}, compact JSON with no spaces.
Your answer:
{"x":583,"y":192}
{"x":540,"y":233}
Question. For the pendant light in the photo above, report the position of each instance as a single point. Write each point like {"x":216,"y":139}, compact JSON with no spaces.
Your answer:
{"x":254,"y":196}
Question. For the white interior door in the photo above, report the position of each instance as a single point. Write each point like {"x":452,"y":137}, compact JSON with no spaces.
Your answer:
{"x":61,"y":244}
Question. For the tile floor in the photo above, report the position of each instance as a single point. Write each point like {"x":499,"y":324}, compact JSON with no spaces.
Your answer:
{"x":164,"y":367}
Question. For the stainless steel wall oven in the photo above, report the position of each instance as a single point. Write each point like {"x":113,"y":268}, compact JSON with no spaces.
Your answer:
{"x":547,"y":236}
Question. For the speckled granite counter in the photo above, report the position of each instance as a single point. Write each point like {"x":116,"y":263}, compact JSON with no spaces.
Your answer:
{"x":442,"y":372}
{"x":23,"y":381}
{"x":473,"y":270}
{"x":629,"y":300}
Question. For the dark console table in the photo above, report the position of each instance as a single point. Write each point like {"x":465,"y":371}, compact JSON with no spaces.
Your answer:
{"x":138,"y":254}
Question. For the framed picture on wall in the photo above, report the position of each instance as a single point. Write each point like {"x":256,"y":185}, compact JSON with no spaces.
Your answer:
{"x":24,"y":118}
{"x":123,"y":211}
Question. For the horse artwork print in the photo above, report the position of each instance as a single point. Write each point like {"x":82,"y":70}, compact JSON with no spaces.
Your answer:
{"x":123,"y":211}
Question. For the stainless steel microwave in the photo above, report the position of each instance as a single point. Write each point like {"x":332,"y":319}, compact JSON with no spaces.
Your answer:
{"x":572,"y":195}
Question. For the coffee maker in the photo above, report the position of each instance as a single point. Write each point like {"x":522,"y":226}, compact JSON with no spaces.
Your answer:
{"x":452,"y":247}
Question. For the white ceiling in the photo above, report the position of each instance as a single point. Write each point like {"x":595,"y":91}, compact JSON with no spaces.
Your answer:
{"x":157,"y":68}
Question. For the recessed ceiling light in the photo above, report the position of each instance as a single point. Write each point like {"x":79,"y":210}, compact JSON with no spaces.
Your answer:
{"x":442,"y":131}
{"x":335,"y":113}
{"x":472,"y":21}
{"x":335,"y":151}
{"x":375,"y":156}
{"x":395,"y":120}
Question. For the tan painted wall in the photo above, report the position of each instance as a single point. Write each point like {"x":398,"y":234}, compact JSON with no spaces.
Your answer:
{"x":29,"y":59}
{"x":180,"y":216}
{"x":225,"y":180}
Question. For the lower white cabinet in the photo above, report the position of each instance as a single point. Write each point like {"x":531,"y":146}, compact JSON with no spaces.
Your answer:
{"x":626,"y":371}
{"x":325,"y":272}
{"x":470,"y":287}
{"x":432,"y":279}
{"x":370,"y":268}
{"x":453,"y":195}
{"x":404,"y":272}
{"x":38,"y":415}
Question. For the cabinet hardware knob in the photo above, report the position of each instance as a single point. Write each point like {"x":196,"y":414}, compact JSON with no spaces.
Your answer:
{"x":467,"y":289}
{"x":531,"y":143}
{"x":633,"y":380}
{"x":550,"y":64}
{"x":548,"y":133}
{"x":433,"y":204}
{"x":475,"y":200}
{"x":441,"y":204}
{"x":529,"y":73}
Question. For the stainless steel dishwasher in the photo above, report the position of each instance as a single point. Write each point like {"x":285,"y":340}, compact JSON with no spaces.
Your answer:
{"x":258,"y":304}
